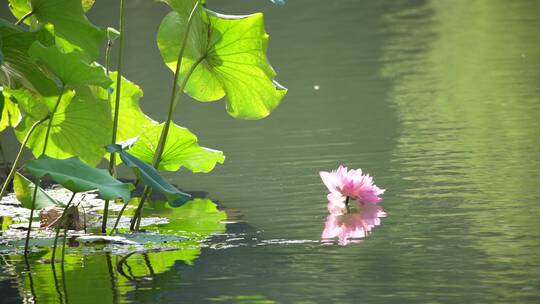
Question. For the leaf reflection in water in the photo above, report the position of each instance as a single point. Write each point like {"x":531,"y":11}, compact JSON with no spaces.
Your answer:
{"x":352,"y":227}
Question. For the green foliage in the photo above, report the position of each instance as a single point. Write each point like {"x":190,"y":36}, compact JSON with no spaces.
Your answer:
{"x":232,"y":55}
{"x":132,"y":119}
{"x":79,"y":177}
{"x":181,"y":150}
{"x":151,"y":177}
{"x":19,"y":8}
{"x":18,"y":70}
{"x":49,"y":71}
{"x":72,"y":29}
{"x":80,"y":127}
{"x":69,"y":67}
{"x":10,"y":114}
{"x":24,"y":191}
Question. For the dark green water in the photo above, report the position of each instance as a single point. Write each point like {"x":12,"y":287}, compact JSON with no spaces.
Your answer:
{"x":439,"y":100}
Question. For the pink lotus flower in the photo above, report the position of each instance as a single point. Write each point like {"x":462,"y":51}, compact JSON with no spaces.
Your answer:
{"x":344,"y":184}
{"x":351,"y":227}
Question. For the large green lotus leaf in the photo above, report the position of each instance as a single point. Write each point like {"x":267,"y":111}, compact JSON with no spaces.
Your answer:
{"x":81,"y":126}
{"x":71,"y":27}
{"x":10,"y":114}
{"x":20,"y":7}
{"x":233,"y":54}
{"x":199,"y":217}
{"x":151,"y":177}
{"x":181,"y":150}
{"x":132,"y":119}
{"x":18,"y":69}
{"x":24,"y":191}
{"x":69,"y":67}
{"x":79,"y":177}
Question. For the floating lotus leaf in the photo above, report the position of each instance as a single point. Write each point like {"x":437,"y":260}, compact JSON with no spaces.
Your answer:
{"x":69,"y":67}
{"x":151,"y":177}
{"x":79,"y":177}
{"x":232,"y":55}
{"x":24,"y":191}
{"x":198,"y":217}
{"x":80,"y":127}
{"x":181,"y":150}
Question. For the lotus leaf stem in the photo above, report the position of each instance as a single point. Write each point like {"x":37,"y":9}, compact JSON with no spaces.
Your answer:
{"x":175,"y":98}
{"x":38,"y":180}
{"x":19,"y":154}
{"x":112,"y":159}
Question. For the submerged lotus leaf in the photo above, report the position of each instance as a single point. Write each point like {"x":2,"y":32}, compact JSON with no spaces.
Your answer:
{"x":80,"y":127}
{"x":71,"y":27}
{"x":79,"y":177}
{"x":10,"y":114}
{"x":181,"y":150}
{"x":150,"y":177}
{"x":69,"y":67}
{"x":18,"y":68}
{"x":24,"y":191}
{"x":131,"y":120}
{"x":232,"y":55}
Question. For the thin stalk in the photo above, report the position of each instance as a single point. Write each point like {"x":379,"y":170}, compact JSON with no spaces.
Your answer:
{"x":24,"y":17}
{"x":347,"y":205}
{"x":4,"y":161}
{"x":162,"y":142}
{"x":121,"y":212}
{"x":118,"y":219}
{"x":19,"y":154}
{"x":112,"y":159}
{"x":138,"y":212}
{"x":174,"y":101}
{"x":38,"y":180}
{"x":175,"y":98}
{"x":59,"y":225}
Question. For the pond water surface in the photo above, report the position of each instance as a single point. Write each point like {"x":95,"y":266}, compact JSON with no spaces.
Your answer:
{"x":439,"y":100}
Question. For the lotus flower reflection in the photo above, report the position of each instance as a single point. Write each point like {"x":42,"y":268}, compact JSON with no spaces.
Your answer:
{"x":353,"y":226}
{"x":351,"y":223}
